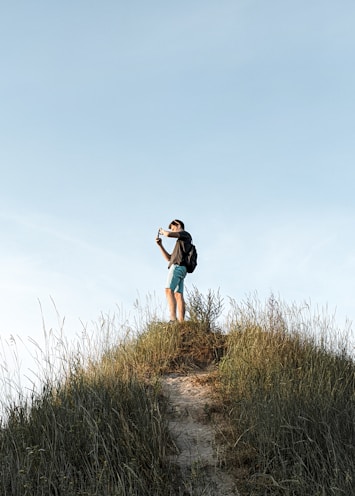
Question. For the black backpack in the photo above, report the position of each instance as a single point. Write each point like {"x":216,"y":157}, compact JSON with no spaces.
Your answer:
{"x":190,"y":261}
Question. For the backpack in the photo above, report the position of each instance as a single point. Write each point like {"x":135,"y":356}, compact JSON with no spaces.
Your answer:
{"x":191,"y":259}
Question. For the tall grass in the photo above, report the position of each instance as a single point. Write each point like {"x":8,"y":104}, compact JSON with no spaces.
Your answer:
{"x":97,"y":432}
{"x":283,"y":380}
{"x":99,"y":426}
{"x":291,"y":402}
{"x":86,"y":439}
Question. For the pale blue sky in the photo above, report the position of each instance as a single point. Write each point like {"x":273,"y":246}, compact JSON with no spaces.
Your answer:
{"x":116,"y":117}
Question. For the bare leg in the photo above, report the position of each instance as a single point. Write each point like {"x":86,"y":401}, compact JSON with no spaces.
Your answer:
{"x":170,"y":296}
{"x":180,"y":303}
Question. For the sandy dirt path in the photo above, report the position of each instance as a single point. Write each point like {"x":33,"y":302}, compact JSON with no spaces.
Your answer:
{"x":194,"y":436}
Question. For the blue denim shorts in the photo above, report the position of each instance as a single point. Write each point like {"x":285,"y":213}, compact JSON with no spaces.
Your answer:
{"x":176,"y":278}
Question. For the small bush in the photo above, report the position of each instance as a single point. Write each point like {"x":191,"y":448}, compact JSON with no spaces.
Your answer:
{"x":204,"y":309}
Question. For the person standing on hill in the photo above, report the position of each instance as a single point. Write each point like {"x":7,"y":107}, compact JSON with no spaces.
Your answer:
{"x":174,"y":289}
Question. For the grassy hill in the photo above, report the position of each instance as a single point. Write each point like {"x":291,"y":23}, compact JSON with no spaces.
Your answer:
{"x":283,"y":391}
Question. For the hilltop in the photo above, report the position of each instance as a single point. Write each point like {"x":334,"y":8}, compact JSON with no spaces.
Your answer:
{"x":261,"y":405}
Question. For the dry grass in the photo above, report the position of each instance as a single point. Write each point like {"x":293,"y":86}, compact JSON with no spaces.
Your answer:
{"x":291,"y":404}
{"x":284,"y":408}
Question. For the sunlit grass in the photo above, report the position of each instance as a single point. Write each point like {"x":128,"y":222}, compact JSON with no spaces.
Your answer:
{"x":291,"y":402}
{"x":283,"y":383}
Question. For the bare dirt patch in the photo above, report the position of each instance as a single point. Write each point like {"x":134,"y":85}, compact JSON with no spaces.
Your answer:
{"x":197,"y":452}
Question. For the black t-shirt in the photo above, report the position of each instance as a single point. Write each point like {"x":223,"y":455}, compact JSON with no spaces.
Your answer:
{"x":181,"y":247}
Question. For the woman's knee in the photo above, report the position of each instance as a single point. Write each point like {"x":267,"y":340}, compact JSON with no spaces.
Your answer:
{"x":179,"y":296}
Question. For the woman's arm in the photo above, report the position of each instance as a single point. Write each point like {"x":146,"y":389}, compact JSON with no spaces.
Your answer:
{"x":169,"y":234}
